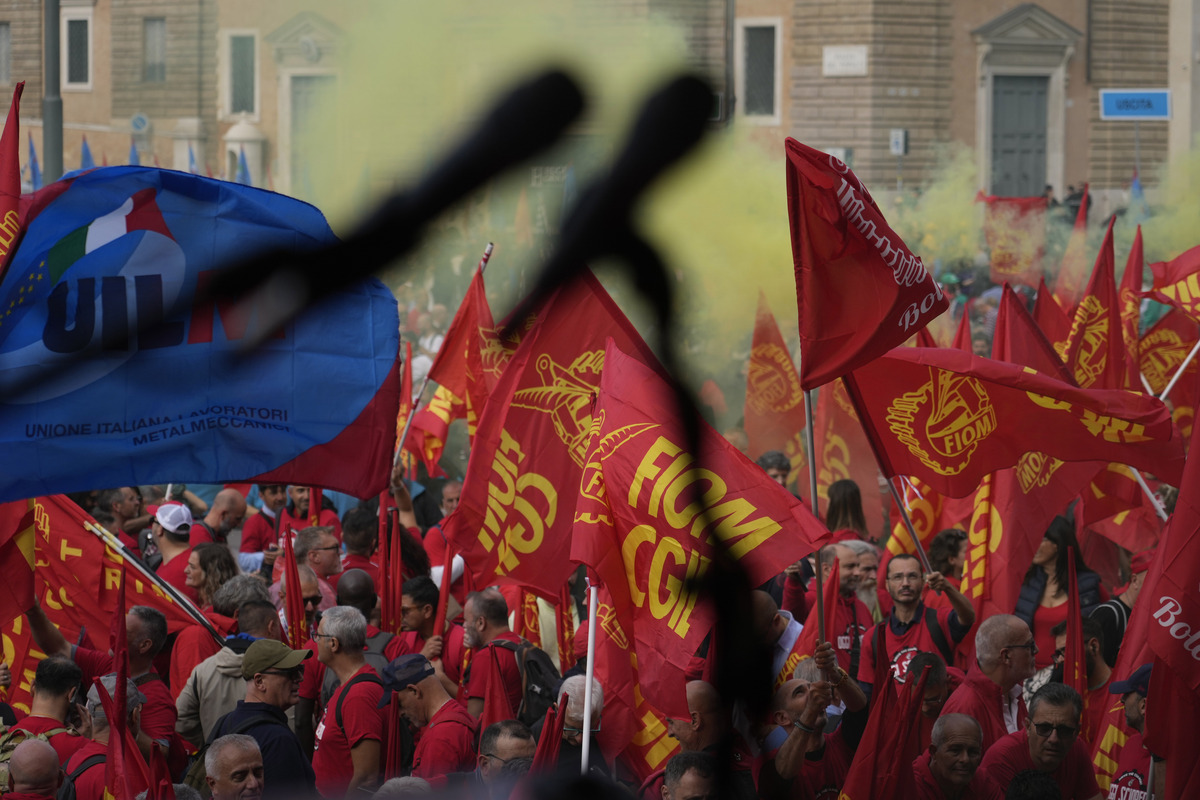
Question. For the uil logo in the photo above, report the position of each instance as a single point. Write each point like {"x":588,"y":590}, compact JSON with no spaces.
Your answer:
{"x":1162,"y":353}
{"x":951,"y":415}
{"x":591,"y":484}
{"x":1034,"y":470}
{"x":775,"y":386}
{"x":566,"y":395}
{"x":1090,"y":323}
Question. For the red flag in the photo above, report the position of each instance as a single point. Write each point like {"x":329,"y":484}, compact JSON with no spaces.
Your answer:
{"x":393,"y":757}
{"x":439,"y":619}
{"x":297,"y":625}
{"x":929,"y":512}
{"x":1130,"y":295}
{"x":17,"y":545}
{"x":408,"y":450}
{"x":651,"y":539}
{"x":860,"y":290}
{"x":883,"y":763}
{"x":962,"y":334}
{"x":1023,"y":341}
{"x":809,"y":638}
{"x":1075,"y":666}
{"x":1015,"y":230}
{"x":315,"y":498}
{"x":951,"y":418}
{"x":496,"y":707}
{"x":389,"y":620}
{"x":545,"y":758}
{"x":1172,"y":709}
{"x":1095,"y":348}
{"x":10,"y":179}
{"x":634,"y":730}
{"x":1068,"y":289}
{"x":1052,"y":319}
{"x":1163,"y":349}
{"x":774,"y":402}
{"x":430,"y":427}
{"x":566,"y":630}
{"x":843,"y":452}
{"x":125,"y":772}
{"x":1177,"y":282}
{"x":513,"y":522}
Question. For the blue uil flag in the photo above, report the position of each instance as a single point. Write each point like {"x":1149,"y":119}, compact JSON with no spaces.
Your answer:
{"x":111,"y":374}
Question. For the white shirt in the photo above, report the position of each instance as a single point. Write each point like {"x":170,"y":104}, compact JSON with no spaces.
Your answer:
{"x":1010,"y":709}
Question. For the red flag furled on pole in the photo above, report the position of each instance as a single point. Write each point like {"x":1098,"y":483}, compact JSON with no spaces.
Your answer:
{"x":297,"y":625}
{"x":882,"y":768}
{"x":1130,"y":296}
{"x":1095,"y":348}
{"x":1074,"y":664}
{"x":962,"y":334}
{"x":388,"y":620}
{"x":315,"y":498}
{"x":1177,"y":282}
{"x":809,"y":638}
{"x":439,"y":619}
{"x":513,"y":523}
{"x":1068,"y":289}
{"x":565,"y":630}
{"x":1052,"y":319}
{"x":860,"y":290}
{"x":1015,"y":230}
{"x":650,"y":540}
{"x":774,"y":411}
{"x":406,"y":450}
{"x":951,"y":418}
{"x":10,"y":179}
{"x":125,"y":771}
{"x":545,"y":758}
{"x":17,"y":546}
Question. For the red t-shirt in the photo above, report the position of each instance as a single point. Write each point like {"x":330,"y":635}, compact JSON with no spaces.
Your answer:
{"x":90,"y":783}
{"x":193,"y":644}
{"x":355,"y":561}
{"x":1133,"y":768}
{"x":979,"y":697}
{"x":487,"y":660}
{"x":981,"y":786}
{"x":851,"y":621}
{"x":314,"y":670}
{"x":901,"y":648}
{"x":447,"y":743}
{"x":456,"y":656}
{"x":158,"y":712}
{"x":172,"y":572}
{"x":821,"y":775}
{"x":258,"y":531}
{"x":65,"y":744}
{"x":1010,"y":755}
{"x":362,"y":719}
{"x":1044,"y":620}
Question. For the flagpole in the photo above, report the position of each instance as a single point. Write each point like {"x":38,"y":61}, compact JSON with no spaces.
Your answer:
{"x":1179,"y":372}
{"x":587,"y":685}
{"x":811,"y":446}
{"x":921,"y":555}
{"x":1158,"y":507}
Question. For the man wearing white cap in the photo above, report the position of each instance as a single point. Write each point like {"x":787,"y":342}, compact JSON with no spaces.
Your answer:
{"x":171,"y":531}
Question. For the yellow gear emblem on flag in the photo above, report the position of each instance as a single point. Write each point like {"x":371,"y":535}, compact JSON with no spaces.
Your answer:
{"x":1091,"y":323}
{"x":566,"y":395}
{"x":773,"y":378}
{"x":1162,"y":353}
{"x":943,"y":422}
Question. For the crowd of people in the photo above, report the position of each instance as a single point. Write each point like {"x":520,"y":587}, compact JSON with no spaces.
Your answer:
{"x":360,"y":711}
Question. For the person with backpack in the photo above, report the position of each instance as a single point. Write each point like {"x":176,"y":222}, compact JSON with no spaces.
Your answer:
{"x":911,"y":627}
{"x":349,"y":746}
{"x":85,"y":769}
{"x":33,"y":772}
{"x":486,"y":631}
{"x":272,"y":671}
{"x":55,"y":685}
{"x":448,"y":736}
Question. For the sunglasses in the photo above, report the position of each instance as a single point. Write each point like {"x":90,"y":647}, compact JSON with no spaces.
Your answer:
{"x":291,"y":674}
{"x":315,"y":600}
{"x":1044,"y":729}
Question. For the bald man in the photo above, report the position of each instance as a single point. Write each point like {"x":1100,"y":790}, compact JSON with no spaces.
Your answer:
{"x":33,"y":771}
{"x":779,"y":630}
{"x":991,"y":693}
{"x":227,"y":511}
{"x":949,"y":769}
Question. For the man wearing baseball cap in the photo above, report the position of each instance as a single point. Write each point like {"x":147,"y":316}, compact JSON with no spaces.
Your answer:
{"x":448,"y":742}
{"x":1133,"y":766}
{"x":171,"y":531}
{"x":1113,"y":616}
{"x":272,"y":671}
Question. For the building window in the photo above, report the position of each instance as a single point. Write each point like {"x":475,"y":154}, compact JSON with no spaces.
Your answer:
{"x":154,"y":50}
{"x":76,"y":40}
{"x":5,"y":52}
{"x":243,"y":75}
{"x":758,"y":66}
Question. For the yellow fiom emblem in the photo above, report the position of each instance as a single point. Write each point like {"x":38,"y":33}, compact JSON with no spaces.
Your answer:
{"x":566,"y":395}
{"x":494,"y":351}
{"x":775,"y":385}
{"x":608,"y":623}
{"x":1161,"y":354}
{"x":1090,"y":323}
{"x":591,"y":484}
{"x":1034,"y":470}
{"x":943,"y":422}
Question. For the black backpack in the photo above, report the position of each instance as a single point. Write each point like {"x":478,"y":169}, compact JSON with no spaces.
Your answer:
{"x":67,"y":790}
{"x":540,"y":680}
{"x":374,"y":656}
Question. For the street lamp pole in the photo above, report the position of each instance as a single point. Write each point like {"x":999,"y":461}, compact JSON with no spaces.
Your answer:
{"x":52,"y":108}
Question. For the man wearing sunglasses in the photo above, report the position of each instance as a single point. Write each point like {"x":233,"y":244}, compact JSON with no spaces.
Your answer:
{"x":272,"y":672}
{"x":991,"y":694}
{"x":447,"y":741}
{"x":1049,"y":743}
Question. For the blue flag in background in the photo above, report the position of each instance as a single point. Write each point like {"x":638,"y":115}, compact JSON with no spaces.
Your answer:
{"x":243,"y":170}
{"x":35,"y":172}
{"x":135,"y":159}
{"x":192,"y":160}
{"x":117,"y":246}
{"x":1138,"y":211}
{"x":85,"y":156}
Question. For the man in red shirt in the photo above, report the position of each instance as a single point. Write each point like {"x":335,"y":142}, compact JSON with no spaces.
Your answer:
{"x":448,"y":652}
{"x":171,"y":531}
{"x":1131,"y":779}
{"x":991,"y":693}
{"x":349,"y":745}
{"x":317,"y":549}
{"x":86,"y":767}
{"x":911,"y":628}
{"x":949,"y":769}
{"x":33,"y":772}
{"x":129,"y":518}
{"x":852,"y":617}
{"x":448,"y":732}
{"x":54,"y":686}
{"x":486,"y":631}
{"x":360,"y":535}
{"x":260,"y":533}
{"x":1096,"y":702}
{"x":296,"y":517}
{"x":1049,"y":743}
{"x":226,"y":513}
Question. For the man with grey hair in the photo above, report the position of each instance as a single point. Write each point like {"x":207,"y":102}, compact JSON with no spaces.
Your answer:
{"x":317,"y":547}
{"x":233,"y":768}
{"x":1049,"y":743}
{"x":949,"y":769}
{"x":82,"y":767}
{"x":347,"y":756}
{"x":485,"y":628}
{"x":33,"y":771}
{"x":877,"y":602}
{"x":570,"y":752}
{"x":991,"y":693}
{"x":448,"y":737}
